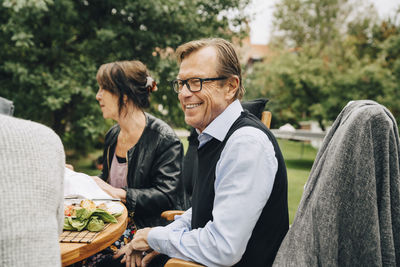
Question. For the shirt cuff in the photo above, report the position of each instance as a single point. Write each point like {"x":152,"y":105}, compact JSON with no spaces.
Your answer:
{"x":157,"y":239}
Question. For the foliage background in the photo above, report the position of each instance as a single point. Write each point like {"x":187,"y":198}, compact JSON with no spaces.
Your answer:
{"x":50,"y":51}
{"x":324,"y":54}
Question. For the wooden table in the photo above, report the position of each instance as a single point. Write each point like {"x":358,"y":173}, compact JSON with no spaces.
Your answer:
{"x":74,"y":252}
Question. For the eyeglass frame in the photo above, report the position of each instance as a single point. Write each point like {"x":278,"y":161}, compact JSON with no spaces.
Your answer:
{"x":186,"y":82}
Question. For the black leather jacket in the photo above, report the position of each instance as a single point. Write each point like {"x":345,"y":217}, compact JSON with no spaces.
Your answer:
{"x":154,"y":171}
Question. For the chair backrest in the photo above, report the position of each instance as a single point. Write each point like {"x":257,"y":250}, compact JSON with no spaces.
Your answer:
{"x":349,"y":213}
{"x":266,"y":118}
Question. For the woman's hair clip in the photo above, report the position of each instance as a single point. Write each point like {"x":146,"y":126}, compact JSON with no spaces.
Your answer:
{"x":151,"y":85}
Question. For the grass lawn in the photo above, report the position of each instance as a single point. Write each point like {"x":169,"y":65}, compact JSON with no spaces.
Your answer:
{"x":298,"y":156}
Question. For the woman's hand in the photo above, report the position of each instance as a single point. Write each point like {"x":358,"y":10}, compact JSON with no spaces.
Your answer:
{"x":111,"y":190}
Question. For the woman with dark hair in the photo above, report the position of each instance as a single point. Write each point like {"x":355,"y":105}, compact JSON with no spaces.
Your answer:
{"x":142,"y":156}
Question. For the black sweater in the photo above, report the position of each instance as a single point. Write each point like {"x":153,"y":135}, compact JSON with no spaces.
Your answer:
{"x":273,"y":223}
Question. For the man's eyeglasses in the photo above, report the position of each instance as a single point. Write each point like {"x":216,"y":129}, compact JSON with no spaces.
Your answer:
{"x":192,"y":84}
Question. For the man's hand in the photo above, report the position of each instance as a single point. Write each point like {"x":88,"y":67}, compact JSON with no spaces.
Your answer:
{"x":133,"y":251}
{"x":139,"y":241}
{"x":111,"y":190}
{"x":134,"y":258}
{"x":131,"y":258}
{"x":148,"y":258}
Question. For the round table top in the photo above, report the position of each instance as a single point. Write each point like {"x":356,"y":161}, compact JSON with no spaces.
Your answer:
{"x":74,"y":252}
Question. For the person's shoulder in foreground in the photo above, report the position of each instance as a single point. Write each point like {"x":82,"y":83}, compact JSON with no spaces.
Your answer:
{"x":31,"y":186}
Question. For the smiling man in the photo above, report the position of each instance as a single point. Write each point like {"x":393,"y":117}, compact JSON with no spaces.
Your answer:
{"x":239,"y":212}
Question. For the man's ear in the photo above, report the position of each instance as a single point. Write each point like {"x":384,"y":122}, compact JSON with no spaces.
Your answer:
{"x":233,"y":85}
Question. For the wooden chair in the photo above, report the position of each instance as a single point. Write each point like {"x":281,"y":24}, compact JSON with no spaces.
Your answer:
{"x":174,"y":262}
{"x":266,"y":117}
{"x":169,"y":215}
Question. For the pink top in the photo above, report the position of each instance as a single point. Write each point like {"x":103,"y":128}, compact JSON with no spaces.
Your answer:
{"x":118,"y":173}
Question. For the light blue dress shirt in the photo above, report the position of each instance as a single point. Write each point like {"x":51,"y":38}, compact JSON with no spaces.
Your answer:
{"x":245,"y":176}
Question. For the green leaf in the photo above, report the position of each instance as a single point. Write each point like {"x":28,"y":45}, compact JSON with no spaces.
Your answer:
{"x":67,"y":225}
{"x":95,"y":224}
{"x":83,"y":214}
{"x":77,"y":223}
{"x":105,"y":216}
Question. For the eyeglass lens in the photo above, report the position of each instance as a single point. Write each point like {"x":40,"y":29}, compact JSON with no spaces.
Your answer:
{"x":193,"y":84}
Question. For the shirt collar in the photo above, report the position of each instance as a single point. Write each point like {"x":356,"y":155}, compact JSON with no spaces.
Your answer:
{"x":220,"y":126}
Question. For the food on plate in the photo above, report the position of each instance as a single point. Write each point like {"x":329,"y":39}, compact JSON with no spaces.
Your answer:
{"x":67,"y":226}
{"x":77,"y":223}
{"x":105,"y":216}
{"x":95,"y":224}
{"x":103,"y":206}
{"x":87,"y":216}
{"x":69,"y":210}
{"x":83,"y":213}
{"x":88,"y":204}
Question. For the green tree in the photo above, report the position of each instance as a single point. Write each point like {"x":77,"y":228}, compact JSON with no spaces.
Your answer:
{"x":50,"y":52}
{"x":317,"y":22}
{"x":295,"y":83}
{"x":328,"y":65}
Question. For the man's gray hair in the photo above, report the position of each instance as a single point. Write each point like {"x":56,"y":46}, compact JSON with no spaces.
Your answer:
{"x":228,"y":62}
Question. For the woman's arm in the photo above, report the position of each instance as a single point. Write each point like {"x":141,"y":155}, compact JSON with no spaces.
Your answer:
{"x":111,"y":190}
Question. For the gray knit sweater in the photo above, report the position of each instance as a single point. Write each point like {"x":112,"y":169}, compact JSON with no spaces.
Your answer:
{"x":31,"y":193}
{"x":349,"y":214}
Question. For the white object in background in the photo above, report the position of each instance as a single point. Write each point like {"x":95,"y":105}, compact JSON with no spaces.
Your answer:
{"x":287,"y":127}
{"x":80,"y":185}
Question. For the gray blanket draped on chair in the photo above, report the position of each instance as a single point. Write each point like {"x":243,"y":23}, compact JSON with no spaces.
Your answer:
{"x":349,"y":214}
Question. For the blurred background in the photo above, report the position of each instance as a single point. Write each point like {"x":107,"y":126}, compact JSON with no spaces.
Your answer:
{"x":309,"y":57}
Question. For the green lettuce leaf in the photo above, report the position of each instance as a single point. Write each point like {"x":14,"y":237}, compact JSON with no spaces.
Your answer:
{"x":95,"y":224}
{"x":83,"y":213}
{"x":67,"y":225}
{"x":78,"y":224}
{"x":105,"y":216}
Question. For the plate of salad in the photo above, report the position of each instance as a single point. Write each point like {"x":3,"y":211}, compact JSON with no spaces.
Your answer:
{"x":87,"y":215}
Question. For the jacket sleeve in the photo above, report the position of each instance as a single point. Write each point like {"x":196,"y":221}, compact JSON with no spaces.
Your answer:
{"x":104,"y":172}
{"x":165,"y":174}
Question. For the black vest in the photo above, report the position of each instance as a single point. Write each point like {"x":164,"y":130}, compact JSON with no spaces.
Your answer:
{"x":273,"y":223}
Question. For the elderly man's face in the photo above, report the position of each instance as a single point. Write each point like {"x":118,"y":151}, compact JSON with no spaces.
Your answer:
{"x":202,"y":107}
